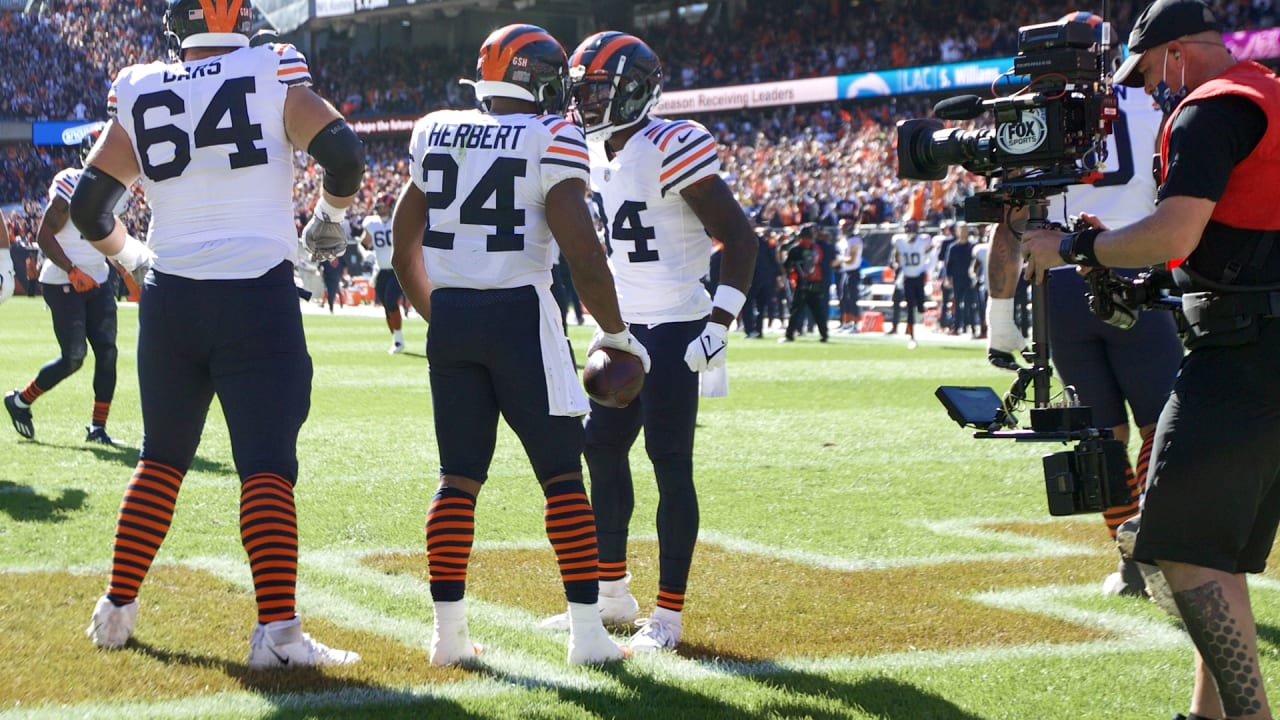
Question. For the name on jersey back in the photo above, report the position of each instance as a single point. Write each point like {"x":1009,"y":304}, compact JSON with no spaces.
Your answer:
{"x":198,"y":71}
{"x":466,"y":135}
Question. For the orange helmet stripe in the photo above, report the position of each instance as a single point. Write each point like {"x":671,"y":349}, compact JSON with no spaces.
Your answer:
{"x":221,"y":19}
{"x":606,"y":52}
{"x":497,"y":52}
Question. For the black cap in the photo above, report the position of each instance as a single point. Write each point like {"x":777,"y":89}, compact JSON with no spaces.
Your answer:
{"x":1161,"y":22}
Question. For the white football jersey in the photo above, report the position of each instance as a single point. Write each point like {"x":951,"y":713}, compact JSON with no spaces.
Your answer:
{"x":79,"y":251}
{"x":1127,"y":191}
{"x":486,"y":179}
{"x":981,"y":251}
{"x":217,"y":166}
{"x":915,"y":253}
{"x":380,"y":232}
{"x":659,"y":249}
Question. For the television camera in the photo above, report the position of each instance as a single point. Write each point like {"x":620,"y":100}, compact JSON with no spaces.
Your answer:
{"x":1048,"y":135}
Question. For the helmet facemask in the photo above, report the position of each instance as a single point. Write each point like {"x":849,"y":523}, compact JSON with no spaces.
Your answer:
{"x":608,"y":100}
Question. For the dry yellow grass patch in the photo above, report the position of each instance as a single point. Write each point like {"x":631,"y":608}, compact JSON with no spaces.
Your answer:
{"x":747,"y":607}
{"x":192,"y":639}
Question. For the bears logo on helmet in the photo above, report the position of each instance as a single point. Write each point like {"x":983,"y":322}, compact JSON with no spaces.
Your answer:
{"x":523,"y":62}
{"x":86,"y":144}
{"x":616,"y":80}
{"x":384,"y":201}
{"x":207,"y":23}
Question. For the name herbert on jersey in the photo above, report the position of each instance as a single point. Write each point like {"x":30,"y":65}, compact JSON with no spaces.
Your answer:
{"x":466,"y":135}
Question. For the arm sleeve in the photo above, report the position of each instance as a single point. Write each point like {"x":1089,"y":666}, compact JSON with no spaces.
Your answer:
{"x":1208,"y":139}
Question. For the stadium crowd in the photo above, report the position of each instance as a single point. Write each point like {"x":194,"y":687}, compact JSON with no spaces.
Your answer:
{"x":789,"y":165}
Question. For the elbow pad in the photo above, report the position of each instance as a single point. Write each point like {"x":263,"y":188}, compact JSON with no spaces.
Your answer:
{"x":339,"y":151}
{"x":92,"y":202}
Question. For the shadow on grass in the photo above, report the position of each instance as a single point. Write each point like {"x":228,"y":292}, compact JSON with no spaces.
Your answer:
{"x":809,"y":696}
{"x":878,"y":697}
{"x":24,"y":504}
{"x":309,"y":692}
{"x":128,"y":456}
{"x":1269,"y":634}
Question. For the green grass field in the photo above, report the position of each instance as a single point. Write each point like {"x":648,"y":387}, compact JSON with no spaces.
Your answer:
{"x":861,"y":557}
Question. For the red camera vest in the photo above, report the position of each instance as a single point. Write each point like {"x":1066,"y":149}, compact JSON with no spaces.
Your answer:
{"x":1249,"y":201}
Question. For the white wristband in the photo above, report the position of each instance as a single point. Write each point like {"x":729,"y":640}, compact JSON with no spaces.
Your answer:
{"x":328,"y":212}
{"x":729,"y":298}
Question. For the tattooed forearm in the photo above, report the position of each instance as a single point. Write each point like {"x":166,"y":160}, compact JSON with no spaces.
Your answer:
{"x":1004,"y":263}
{"x":1232,"y":658}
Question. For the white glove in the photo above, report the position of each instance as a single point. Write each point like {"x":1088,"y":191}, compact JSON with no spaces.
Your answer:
{"x":324,"y":234}
{"x":6,"y":274}
{"x":134,"y":254}
{"x":624,"y":341}
{"x":1004,"y":338}
{"x":707,"y":351}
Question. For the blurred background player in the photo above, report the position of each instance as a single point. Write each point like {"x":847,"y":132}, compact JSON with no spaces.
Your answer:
{"x":912,"y":256}
{"x":6,"y":261}
{"x":957,"y":270}
{"x":81,"y":304}
{"x":658,"y":188}
{"x":220,"y":313}
{"x":1108,"y":366}
{"x":504,"y":186}
{"x":849,"y":277}
{"x":376,"y":236}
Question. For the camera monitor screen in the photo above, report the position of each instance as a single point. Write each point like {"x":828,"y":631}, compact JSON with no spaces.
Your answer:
{"x":970,"y":406}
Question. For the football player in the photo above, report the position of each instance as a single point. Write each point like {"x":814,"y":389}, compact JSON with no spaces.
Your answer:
{"x":658,"y":189}
{"x":82,"y":304}
{"x":6,"y":261}
{"x":212,"y":134}
{"x":492,"y":189}
{"x":1109,"y":367}
{"x":912,"y":256}
{"x":376,"y":236}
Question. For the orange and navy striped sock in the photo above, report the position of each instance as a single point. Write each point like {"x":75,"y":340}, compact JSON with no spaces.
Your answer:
{"x":269,"y":532}
{"x":145,"y":515}
{"x":451,"y":528}
{"x":100,"y":412}
{"x":31,"y":392}
{"x":612,"y":570}
{"x":1144,"y":462}
{"x":571,"y":528}
{"x":671,"y":598}
{"x":1115,"y":515}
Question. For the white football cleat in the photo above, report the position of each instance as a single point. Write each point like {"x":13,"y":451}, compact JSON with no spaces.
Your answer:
{"x":112,"y":625}
{"x":617,"y":606}
{"x":450,"y":640}
{"x":282,"y":644}
{"x":656,"y":633}
{"x":589,"y":642}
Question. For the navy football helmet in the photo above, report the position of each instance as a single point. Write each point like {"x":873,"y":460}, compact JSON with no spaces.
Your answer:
{"x":616,"y":80}
{"x":523,"y":62}
{"x":87,"y":142}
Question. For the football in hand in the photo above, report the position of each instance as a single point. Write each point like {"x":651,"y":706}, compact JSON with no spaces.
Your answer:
{"x":613,"y":378}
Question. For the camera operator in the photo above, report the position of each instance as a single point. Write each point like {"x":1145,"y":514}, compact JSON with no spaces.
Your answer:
{"x":1212,"y":502}
{"x":1107,"y":365}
